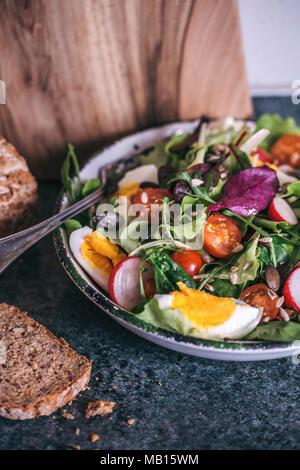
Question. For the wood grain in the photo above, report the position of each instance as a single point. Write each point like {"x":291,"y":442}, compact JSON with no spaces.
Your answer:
{"x":89,"y":71}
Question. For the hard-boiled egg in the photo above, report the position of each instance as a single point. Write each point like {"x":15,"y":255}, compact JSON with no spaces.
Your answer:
{"x":139,"y":175}
{"x":95,"y":253}
{"x":212,"y":317}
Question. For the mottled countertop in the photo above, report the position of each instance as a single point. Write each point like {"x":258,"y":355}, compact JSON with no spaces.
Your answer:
{"x":177,"y":402}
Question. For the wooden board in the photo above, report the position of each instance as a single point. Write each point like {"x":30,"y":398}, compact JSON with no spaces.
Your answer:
{"x":88,"y":71}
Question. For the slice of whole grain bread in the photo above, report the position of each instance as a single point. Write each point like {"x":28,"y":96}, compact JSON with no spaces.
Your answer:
{"x":18,"y":191}
{"x":38,"y":372}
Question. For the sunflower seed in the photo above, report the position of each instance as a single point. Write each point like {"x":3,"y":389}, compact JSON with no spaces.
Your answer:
{"x":207,"y":259}
{"x":234,"y":269}
{"x":233,"y":278}
{"x":209,"y":287}
{"x":266,"y":319}
{"x":213,"y":158}
{"x":284,"y":315}
{"x":196,"y":182}
{"x":238,"y":248}
{"x":265,"y":240}
{"x":272,"y":294}
{"x":280,"y":302}
{"x":247,"y":265}
{"x":144,"y":197}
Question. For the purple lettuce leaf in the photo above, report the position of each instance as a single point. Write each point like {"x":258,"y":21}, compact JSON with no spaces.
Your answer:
{"x":248,"y":192}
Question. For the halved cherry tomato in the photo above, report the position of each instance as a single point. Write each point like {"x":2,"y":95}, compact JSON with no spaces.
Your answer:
{"x":148,"y":196}
{"x":189,"y":260}
{"x":221,"y":235}
{"x":262,"y":155}
{"x":286,"y":150}
{"x":149,"y":288}
{"x":259,"y":295}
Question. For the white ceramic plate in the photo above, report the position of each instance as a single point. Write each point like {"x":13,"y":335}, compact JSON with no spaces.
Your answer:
{"x":223,"y":350}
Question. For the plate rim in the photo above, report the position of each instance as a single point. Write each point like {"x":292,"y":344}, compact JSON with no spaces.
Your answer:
{"x":223,"y":349}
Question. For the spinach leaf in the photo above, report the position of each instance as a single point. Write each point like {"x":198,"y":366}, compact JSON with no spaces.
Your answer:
{"x":224,"y":288}
{"x":276,"y":331}
{"x":167,"y":273}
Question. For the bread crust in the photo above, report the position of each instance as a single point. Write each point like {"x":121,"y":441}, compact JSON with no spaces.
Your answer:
{"x":18,"y":191}
{"x":50,"y":402}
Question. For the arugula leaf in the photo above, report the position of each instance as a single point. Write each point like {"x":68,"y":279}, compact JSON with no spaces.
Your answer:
{"x":176,"y":155}
{"x":270,"y":224}
{"x":277,"y":126}
{"x":239,"y":160}
{"x":293,"y":189}
{"x":283,"y":252}
{"x":276,"y":331}
{"x":72,"y":187}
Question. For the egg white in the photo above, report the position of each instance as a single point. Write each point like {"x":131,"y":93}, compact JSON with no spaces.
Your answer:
{"x":243,"y":320}
{"x":76,"y":240}
{"x":138,"y":175}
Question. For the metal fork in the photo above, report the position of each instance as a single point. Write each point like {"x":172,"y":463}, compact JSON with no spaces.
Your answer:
{"x":13,"y":246}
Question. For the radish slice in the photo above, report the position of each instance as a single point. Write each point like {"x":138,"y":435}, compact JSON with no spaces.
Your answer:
{"x":124,"y":282}
{"x":280,"y":211}
{"x":291,"y":290}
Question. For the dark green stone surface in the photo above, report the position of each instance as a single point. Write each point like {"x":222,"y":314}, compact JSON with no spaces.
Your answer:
{"x":177,"y":402}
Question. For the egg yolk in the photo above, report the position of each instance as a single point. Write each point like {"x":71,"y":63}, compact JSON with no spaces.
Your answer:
{"x":202,"y":309}
{"x":260,"y":163}
{"x":128,"y":190}
{"x":100,"y":252}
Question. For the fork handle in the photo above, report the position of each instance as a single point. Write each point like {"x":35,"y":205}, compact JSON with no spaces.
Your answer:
{"x":13,"y":246}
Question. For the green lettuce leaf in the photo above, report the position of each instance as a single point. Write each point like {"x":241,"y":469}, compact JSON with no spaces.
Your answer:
{"x":277,"y":126}
{"x":157,"y":156}
{"x":222,"y":270}
{"x":167,"y":318}
{"x":276,"y":331}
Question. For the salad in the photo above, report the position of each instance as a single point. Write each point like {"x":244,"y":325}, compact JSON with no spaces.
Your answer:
{"x":201,"y":235}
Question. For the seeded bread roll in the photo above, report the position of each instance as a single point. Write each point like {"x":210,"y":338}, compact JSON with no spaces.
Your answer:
{"x":18,"y":191}
{"x":38,"y":372}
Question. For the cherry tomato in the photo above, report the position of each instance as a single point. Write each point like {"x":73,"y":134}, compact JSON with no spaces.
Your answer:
{"x":189,"y":260}
{"x":148,"y":196}
{"x":149,"y":288}
{"x":221,"y":235}
{"x":286,"y":150}
{"x":262,"y":155}
{"x":259,"y":295}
